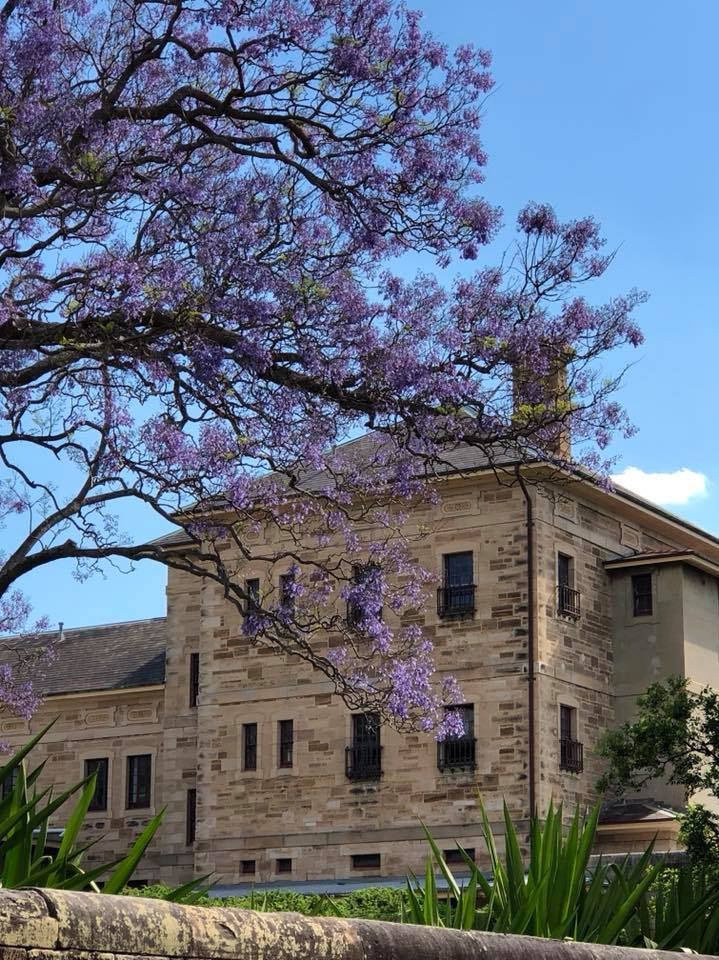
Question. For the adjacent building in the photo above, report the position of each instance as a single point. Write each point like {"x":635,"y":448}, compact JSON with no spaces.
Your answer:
{"x":558,"y":603}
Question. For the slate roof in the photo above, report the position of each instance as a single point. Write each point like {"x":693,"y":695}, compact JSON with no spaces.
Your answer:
{"x":114,"y":656}
{"x":636,"y":811}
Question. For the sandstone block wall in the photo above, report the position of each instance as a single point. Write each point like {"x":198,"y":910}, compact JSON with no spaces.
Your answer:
{"x":115,"y":725}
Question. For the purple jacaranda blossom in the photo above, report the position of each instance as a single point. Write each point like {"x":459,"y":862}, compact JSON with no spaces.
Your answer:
{"x":201,"y":310}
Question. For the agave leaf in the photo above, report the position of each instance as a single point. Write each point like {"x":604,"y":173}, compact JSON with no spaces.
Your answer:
{"x":190,"y":891}
{"x":124,"y":870}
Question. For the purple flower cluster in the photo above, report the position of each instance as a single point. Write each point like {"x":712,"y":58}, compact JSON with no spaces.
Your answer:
{"x":201,"y":205}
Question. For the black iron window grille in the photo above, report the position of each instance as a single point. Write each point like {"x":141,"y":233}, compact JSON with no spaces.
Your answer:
{"x":363,"y":757}
{"x":455,"y":598}
{"x":459,"y":752}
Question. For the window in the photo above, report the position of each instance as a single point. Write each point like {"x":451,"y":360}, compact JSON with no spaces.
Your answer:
{"x":366,"y":604}
{"x":252,"y":590}
{"x":8,"y":784}
{"x":287,"y":593}
{"x":568,"y":598}
{"x":286,"y":737}
{"x":455,"y":597}
{"x":458,"y":752}
{"x":194,"y":678}
{"x":571,"y":751}
{"x":99,"y":767}
{"x":642,"y":600}
{"x":249,"y":746}
{"x":191,"y":818}
{"x":365,"y":861}
{"x":139,"y":781}
{"x":363,"y":758}
{"x":567,"y":722}
{"x":283,"y":865}
{"x":455,"y":855}
{"x":247,"y":866}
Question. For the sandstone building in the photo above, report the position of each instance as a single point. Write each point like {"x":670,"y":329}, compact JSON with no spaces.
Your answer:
{"x":558,"y":604}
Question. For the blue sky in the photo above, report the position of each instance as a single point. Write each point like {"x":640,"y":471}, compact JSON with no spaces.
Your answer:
{"x":606,"y":109}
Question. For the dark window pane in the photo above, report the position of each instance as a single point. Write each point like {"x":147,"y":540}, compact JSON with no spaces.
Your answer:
{"x":252,"y":589}
{"x":194,"y":678}
{"x":139,"y":780}
{"x":8,"y":784}
{"x":191,"y":816}
{"x":247,"y":866}
{"x":642,"y":594}
{"x":287,"y":596}
{"x":564,"y":570}
{"x":458,"y":569}
{"x":356,"y":609}
{"x":458,"y":752}
{"x":99,"y":767}
{"x":365,"y":729}
{"x":566,"y":722}
{"x":455,"y":856}
{"x":363,"y":758}
{"x":286,"y":742}
{"x":455,"y":598}
{"x":284,"y":865}
{"x":249,"y":746}
{"x":363,"y":861}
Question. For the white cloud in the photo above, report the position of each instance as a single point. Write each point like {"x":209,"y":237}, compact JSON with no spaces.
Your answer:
{"x":664,"y":488}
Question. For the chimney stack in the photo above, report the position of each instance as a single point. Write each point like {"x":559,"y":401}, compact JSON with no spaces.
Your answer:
{"x":542,"y":399}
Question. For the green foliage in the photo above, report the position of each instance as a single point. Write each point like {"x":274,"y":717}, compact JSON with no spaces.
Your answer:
{"x":25,"y":816}
{"x":550,"y":895}
{"x":372,"y":903}
{"x":682,"y":911}
{"x":674,"y":736}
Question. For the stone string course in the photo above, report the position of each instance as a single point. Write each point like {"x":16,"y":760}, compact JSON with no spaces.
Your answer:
{"x":58,"y":925}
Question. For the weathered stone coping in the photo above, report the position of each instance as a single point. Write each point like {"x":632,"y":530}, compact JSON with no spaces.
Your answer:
{"x":59,"y":925}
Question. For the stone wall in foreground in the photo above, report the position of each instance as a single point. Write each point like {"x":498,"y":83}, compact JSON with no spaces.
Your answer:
{"x":57,"y":925}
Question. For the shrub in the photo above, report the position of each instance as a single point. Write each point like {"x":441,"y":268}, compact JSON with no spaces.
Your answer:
{"x":372,"y":903}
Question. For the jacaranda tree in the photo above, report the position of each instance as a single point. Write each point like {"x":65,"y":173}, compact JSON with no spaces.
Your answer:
{"x":207,"y":207}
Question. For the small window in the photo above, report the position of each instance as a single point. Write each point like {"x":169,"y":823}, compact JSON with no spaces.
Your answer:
{"x":458,"y":569}
{"x":643,"y":603}
{"x":283,"y":865}
{"x":99,"y":767}
{"x":567,"y":722}
{"x":459,"y":751}
{"x":194,"y":678}
{"x":454,"y":855}
{"x":456,"y":595}
{"x":565,"y":570}
{"x":357,"y":609}
{"x":191,"y":817}
{"x":571,"y":751}
{"x":247,"y":867}
{"x":287,"y":593}
{"x":249,"y":746}
{"x":286,"y":742}
{"x":568,"y":599}
{"x":139,"y":781}
{"x":8,"y":784}
{"x":366,"y":861}
{"x":363,"y":758}
{"x":252,"y":591}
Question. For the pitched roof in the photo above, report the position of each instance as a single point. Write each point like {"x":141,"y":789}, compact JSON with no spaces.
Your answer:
{"x":636,"y":811}
{"x":114,"y":656}
{"x":365,"y":451}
